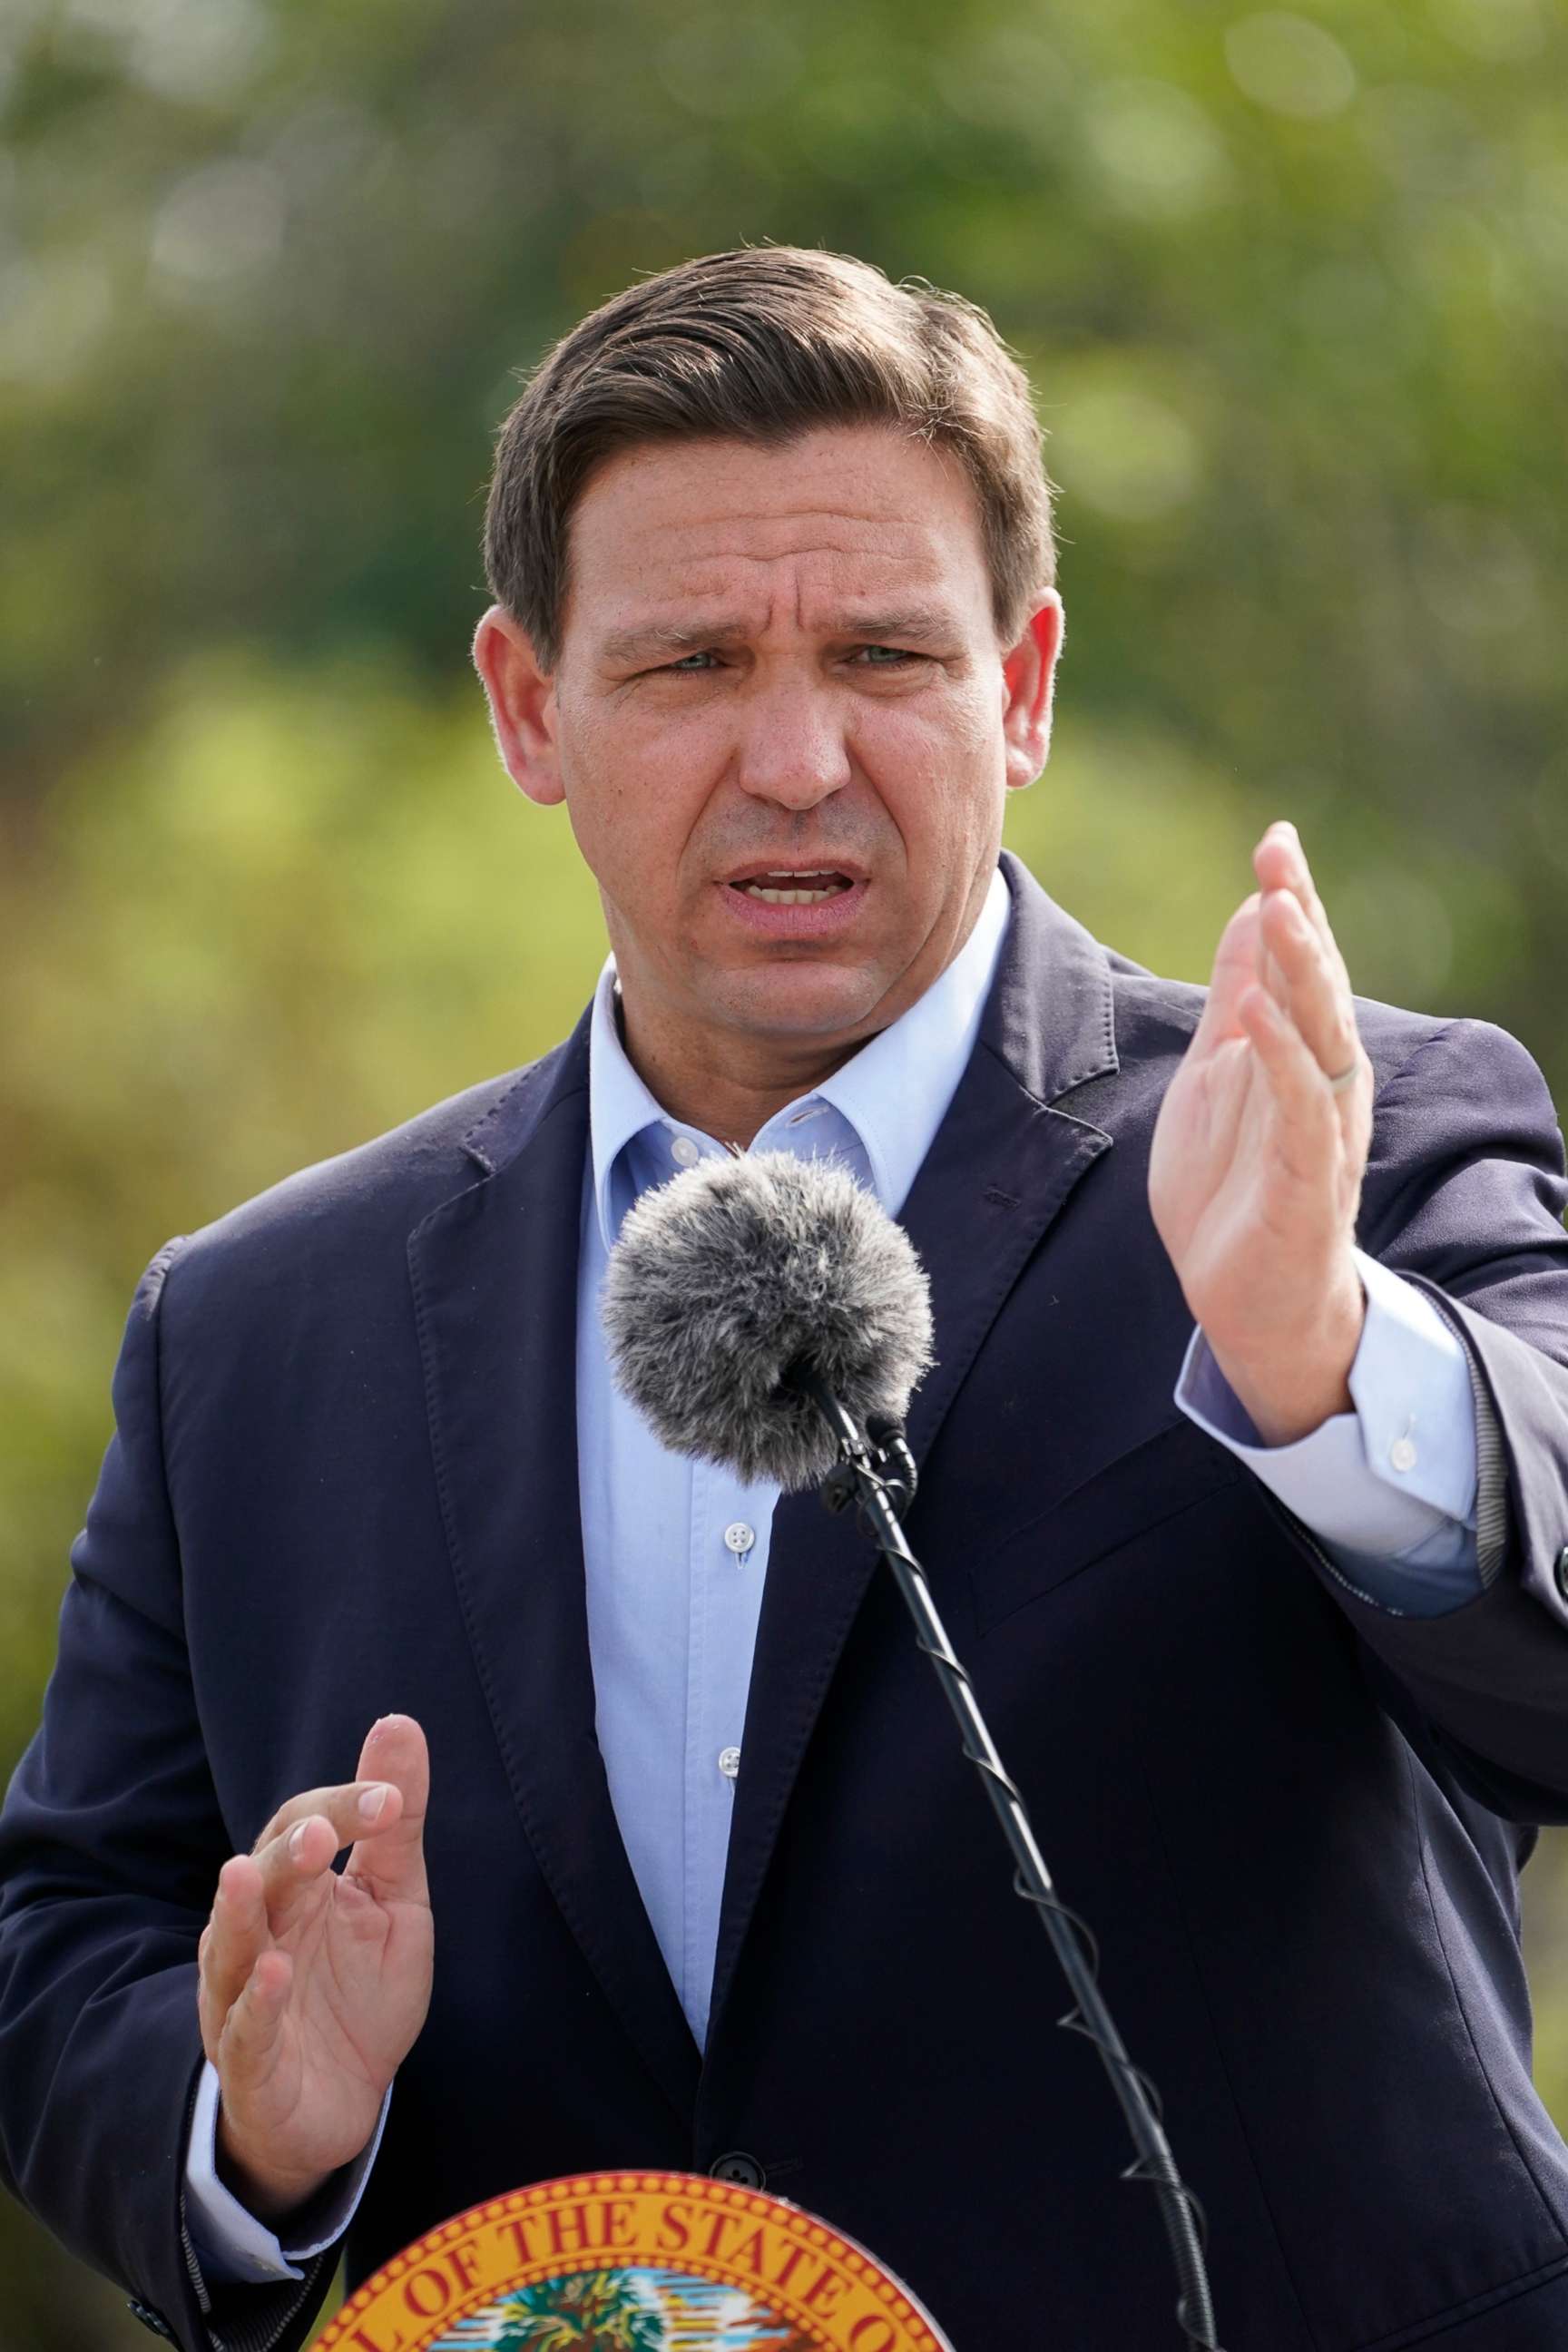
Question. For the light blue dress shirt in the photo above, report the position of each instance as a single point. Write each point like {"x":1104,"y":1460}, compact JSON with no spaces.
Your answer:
{"x":675,"y":1552}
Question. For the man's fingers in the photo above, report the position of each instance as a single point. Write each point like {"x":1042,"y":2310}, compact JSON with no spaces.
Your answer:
{"x":392,"y":1863}
{"x":1295,"y":1078}
{"x":1281,"y":870}
{"x":384,"y":1806}
{"x":1235,"y":970}
{"x":1312,"y":993}
{"x":1299,"y":964}
{"x":235,"y":1937}
{"x":308,"y":1833}
{"x":354,"y":1807}
{"x":1280,"y":863}
{"x":251,"y":2033}
{"x":395,"y":1750}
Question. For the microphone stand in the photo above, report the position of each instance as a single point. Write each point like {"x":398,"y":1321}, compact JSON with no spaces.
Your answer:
{"x":876,"y":1473}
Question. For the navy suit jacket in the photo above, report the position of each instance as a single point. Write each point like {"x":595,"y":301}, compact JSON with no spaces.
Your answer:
{"x":344,"y":1482}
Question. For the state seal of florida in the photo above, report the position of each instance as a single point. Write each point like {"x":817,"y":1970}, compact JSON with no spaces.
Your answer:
{"x":633,"y":2261}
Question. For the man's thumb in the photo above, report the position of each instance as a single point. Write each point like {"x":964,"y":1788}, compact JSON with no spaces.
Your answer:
{"x":395,"y":1750}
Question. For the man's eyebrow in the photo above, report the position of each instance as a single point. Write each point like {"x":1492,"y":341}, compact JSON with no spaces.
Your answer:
{"x":925,"y":624}
{"x":911,"y":624}
{"x":670,"y":637}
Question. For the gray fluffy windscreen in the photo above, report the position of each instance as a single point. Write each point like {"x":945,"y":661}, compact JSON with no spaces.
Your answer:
{"x":739,"y":1267}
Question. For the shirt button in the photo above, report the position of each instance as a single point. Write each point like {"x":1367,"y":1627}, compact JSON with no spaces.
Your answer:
{"x":740,"y":1538}
{"x":684,"y":1152}
{"x":729,"y":1762}
{"x":1402,"y":1454}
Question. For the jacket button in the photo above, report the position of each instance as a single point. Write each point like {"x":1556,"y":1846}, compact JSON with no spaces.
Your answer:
{"x":1560,"y":1571}
{"x":150,"y":2319}
{"x":743,"y":2170}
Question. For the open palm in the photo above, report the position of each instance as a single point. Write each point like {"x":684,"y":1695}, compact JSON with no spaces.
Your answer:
{"x":1256,"y":1164}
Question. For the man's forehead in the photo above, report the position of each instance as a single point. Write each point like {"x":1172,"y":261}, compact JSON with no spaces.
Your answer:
{"x":841,"y":524}
{"x":850,"y":489}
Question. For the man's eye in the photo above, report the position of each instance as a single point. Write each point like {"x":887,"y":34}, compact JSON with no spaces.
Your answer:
{"x":891,"y":656}
{"x":684,"y":666}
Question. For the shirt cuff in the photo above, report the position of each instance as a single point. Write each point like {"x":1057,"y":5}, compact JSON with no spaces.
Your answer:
{"x":233,"y":2247}
{"x":1395,"y":1478}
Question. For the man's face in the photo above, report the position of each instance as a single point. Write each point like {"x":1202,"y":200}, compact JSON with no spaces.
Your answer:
{"x":783,"y":728}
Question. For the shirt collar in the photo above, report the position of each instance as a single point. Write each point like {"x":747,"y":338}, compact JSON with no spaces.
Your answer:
{"x":894,"y":1092}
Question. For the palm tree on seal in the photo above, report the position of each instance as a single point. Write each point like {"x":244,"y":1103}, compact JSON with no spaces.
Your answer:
{"x":589,"y":2311}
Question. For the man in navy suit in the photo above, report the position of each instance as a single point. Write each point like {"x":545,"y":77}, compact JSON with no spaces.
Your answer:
{"x":1280,"y":1661}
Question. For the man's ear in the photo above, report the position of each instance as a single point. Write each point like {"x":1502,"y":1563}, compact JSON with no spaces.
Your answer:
{"x":522,"y":705}
{"x":1028,"y":673}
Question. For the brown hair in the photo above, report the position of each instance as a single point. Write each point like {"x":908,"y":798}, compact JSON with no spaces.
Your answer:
{"x":763,"y":344}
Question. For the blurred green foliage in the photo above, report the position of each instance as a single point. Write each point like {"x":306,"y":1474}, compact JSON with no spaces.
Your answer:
{"x":1289,"y":289}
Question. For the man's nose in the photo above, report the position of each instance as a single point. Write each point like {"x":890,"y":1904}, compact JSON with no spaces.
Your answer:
{"x":792,"y":748}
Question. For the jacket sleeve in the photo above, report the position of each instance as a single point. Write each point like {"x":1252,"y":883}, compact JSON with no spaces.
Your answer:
{"x":1465,"y":1195}
{"x":111,"y":1843}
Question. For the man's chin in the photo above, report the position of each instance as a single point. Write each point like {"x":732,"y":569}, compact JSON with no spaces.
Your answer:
{"x":810,"y":1001}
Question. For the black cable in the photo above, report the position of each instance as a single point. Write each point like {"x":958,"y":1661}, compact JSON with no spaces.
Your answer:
{"x":880,"y":1483}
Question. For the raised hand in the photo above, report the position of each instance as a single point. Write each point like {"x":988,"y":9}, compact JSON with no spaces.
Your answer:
{"x":1256,"y":1165}
{"x":312,"y":1984}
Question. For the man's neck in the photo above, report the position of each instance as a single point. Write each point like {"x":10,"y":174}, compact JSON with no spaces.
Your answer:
{"x":729,"y":1097}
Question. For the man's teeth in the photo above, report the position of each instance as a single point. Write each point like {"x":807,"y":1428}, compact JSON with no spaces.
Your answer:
{"x":802,"y":892}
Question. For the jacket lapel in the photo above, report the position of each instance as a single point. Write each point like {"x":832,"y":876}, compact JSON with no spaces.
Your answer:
{"x":495,"y":1284}
{"x":1002,"y":1163}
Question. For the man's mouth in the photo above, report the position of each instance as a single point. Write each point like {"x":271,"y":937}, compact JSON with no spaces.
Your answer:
{"x":795,"y":886}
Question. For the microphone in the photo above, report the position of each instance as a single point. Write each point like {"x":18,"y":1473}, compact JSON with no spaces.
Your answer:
{"x":746,"y":1285}
{"x":765,"y":1313}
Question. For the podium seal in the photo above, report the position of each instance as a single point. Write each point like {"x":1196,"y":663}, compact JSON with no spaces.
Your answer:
{"x":633,"y":2261}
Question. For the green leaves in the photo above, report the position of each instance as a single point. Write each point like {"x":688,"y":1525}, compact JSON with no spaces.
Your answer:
{"x":588,"y":2311}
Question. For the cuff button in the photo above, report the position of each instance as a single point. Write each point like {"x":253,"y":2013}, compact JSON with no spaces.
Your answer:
{"x":1560,"y":1571}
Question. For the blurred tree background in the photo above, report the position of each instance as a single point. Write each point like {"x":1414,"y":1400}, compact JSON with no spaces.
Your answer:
{"x":1291,"y":289}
